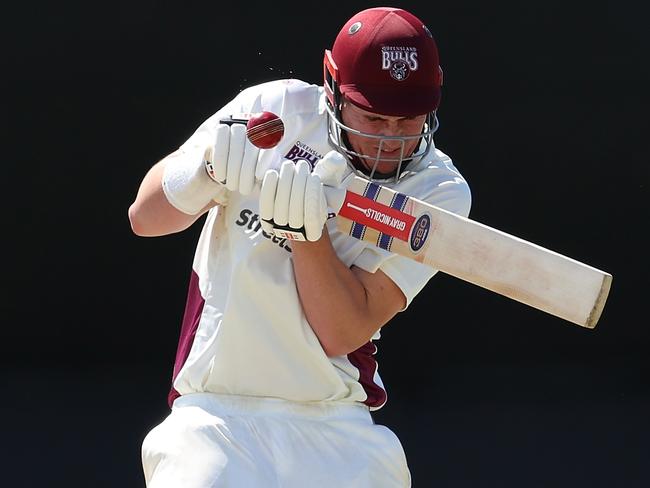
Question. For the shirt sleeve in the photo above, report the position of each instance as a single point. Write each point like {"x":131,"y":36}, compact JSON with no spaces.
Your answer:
{"x":440,"y":184}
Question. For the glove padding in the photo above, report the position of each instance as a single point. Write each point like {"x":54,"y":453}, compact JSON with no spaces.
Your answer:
{"x":292,"y":202}
{"x":232,"y":160}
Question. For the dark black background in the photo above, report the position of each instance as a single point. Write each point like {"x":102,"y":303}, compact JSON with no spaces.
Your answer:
{"x":544,"y":111}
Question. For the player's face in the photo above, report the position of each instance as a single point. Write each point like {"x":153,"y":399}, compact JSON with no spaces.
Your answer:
{"x":372,"y":123}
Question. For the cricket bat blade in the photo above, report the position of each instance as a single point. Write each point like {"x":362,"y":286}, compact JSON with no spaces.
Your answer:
{"x":471,"y":251}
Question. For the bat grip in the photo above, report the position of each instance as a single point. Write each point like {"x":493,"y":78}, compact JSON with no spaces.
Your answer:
{"x":232,"y":120}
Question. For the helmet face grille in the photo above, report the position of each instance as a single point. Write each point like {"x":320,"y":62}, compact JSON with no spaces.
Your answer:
{"x":338,"y":136}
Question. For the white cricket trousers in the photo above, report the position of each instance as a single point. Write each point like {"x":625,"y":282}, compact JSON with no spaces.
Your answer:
{"x":211,"y":441}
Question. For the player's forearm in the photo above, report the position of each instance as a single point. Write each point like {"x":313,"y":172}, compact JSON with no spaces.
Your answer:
{"x":151,"y":214}
{"x":333,"y":298}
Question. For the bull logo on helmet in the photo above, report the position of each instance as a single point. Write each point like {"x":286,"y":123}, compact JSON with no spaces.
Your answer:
{"x":399,"y":61}
{"x":399,"y":70}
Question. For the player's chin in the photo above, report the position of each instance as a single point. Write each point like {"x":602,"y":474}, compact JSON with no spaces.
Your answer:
{"x":382,"y":167}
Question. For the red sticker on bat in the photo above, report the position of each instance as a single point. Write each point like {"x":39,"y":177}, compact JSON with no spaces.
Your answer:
{"x":377,"y":216}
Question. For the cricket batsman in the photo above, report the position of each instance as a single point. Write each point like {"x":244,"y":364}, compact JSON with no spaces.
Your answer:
{"x":275,"y":378}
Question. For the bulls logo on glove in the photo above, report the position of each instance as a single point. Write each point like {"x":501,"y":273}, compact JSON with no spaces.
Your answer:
{"x":293,"y":203}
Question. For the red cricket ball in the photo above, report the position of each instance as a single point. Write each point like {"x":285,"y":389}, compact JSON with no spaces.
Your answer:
{"x":264,"y":130}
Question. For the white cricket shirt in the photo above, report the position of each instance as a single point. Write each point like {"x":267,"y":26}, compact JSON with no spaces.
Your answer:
{"x":244,"y":331}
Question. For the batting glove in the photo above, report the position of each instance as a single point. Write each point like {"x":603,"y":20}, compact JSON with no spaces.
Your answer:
{"x":293,"y":202}
{"x":232,"y":160}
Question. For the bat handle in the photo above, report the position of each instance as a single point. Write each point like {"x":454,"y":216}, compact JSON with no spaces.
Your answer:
{"x":233,"y":120}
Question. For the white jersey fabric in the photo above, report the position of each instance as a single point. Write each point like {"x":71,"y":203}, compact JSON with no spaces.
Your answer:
{"x":244,"y":332}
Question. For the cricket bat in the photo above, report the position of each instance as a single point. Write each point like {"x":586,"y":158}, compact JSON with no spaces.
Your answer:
{"x":464,"y":248}
{"x":472,"y":251}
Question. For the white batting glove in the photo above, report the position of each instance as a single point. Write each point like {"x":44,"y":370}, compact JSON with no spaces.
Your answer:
{"x":331,"y":169}
{"x":232,"y":160}
{"x":292,"y":202}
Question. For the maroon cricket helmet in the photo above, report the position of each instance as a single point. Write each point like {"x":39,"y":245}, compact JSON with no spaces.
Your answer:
{"x":385,"y":61}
